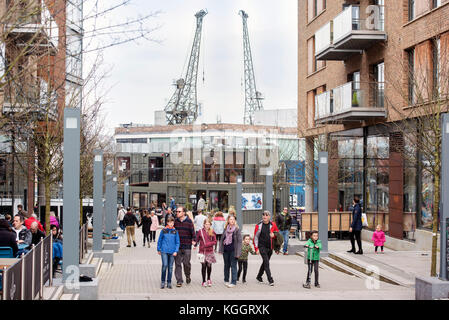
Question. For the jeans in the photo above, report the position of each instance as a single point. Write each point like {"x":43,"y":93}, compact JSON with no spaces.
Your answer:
{"x":265,"y":253}
{"x":230,"y":262}
{"x":167,"y":263}
{"x":130,"y":233}
{"x":243,"y":265}
{"x":312,"y":266}
{"x":285,"y":234}
{"x":357,"y":235}
{"x":182,"y":259}
{"x":122,"y":225}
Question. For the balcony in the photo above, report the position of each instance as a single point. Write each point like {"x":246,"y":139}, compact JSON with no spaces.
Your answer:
{"x":353,"y":101}
{"x":35,"y":18}
{"x":347,"y":34}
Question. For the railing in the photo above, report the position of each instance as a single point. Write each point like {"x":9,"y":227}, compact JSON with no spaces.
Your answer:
{"x":323,"y":37}
{"x":349,"y":20}
{"x":25,"y":279}
{"x":83,"y":241}
{"x":348,"y":96}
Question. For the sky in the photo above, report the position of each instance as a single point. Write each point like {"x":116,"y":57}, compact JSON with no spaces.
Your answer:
{"x":141,"y":74}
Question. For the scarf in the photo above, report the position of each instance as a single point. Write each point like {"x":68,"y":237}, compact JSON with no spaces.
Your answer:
{"x":229,"y":231}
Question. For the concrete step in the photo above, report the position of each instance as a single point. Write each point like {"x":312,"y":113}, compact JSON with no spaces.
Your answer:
{"x":88,"y":258}
{"x":334,"y":264}
{"x":321,"y":265}
{"x":370,"y":267}
{"x":57,"y":293}
{"x":105,"y":267}
{"x":69,"y":296}
{"x":97,"y":262}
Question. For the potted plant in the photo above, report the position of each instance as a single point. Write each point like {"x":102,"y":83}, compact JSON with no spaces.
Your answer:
{"x":355,"y":100}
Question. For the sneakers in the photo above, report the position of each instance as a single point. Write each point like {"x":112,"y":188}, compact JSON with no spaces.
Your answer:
{"x":317,"y":286}
{"x":286,"y":253}
{"x":209,"y":283}
{"x":306,"y":285}
{"x":382,"y":251}
{"x":169,"y":286}
{"x":204,"y":284}
{"x":144,"y":244}
{"x":149,"y":246}
{"x":162,"y":285}
{"x":244,"y":281}
{"x":188,"y":280}
{"x":272,"y":283}
{"x":259,"y":279}
{"x":231,"y":285}
{"x":179,"y":285}
{"x":226,"y":284}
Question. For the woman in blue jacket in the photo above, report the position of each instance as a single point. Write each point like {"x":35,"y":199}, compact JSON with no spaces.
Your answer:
{"x":167,"y":248}
{"x":356,"y":227}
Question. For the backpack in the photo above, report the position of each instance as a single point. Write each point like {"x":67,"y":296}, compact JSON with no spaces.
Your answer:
{"x":278,"y":241}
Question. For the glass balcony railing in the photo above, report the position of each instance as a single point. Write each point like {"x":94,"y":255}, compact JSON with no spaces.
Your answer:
{"x":348,"y":33}
{"x":361,"y":98}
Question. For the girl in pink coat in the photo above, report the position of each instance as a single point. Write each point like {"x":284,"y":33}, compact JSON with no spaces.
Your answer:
{"x":154,"y":226}
{"x":379,"y":239}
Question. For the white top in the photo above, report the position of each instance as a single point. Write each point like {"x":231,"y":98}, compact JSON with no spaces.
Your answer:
{"x":121,"y":214}
{"x":201,"y":204}
{"x":199,"y":221}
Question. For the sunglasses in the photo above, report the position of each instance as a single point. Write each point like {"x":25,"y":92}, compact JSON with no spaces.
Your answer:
{"x":179,"y":211}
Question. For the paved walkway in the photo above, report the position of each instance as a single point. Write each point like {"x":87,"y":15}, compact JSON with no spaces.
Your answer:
{"x":136,"y":275}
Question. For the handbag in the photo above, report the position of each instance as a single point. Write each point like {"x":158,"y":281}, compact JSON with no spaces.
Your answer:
{"x":364,"y":220}
{"x":201,"y":256}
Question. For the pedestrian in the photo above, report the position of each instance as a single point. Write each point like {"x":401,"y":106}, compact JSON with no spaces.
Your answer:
{"x":379,"y":239}
{"x":163,"y":213}
{"x":186,"y":230}
{"x":284,"y":223}
{"x":263,"y":244}
{"x":218,"y":224}
{"x":199,"y":221}
{"x":206,"y":239}
{"x":130,"y":221}
{"x":313,"y":246}
{"x":201,"y":206}
{"x":146,"y":227}
{"x":53,"y":219}
{"x":356,"y":227}
{"x":154,"y":226}
{"x":172,"y":204}
{"x":231,"y":248}
{"x":243,"y":259}
{"x":168,"y":214}
{"x":168,"y":247}
{"x":120,"y":216}
{"x":23,"y":235}
{"x":22,"y":213}
{"x":8,"y":237}
{"x":36,"y":234}
{"x":9,"y":219}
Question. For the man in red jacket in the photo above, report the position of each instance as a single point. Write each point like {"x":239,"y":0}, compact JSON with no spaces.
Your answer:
{"x":263,"y":244}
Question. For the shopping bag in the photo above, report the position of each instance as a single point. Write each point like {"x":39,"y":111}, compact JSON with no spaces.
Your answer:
{"x":200,"y":257}
{"x":364,"y":220}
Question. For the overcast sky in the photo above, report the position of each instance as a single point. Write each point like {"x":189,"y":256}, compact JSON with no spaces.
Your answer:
{"x":142,"y":73}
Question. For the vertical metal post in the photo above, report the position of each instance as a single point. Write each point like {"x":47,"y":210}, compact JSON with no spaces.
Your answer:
{"x":98,"y":202}
{"x":51,"y":260}
{"x":238,"y":205}
{"x":444,"y":206}
{"x":126,"y":194}
{"x":114,"y":202}
{"x":5,"y":282}
{"x":22,"y":281}
{"x":71,"y":217}
{"x":33,"y":271}
{"x":109,"y":201}
{"x":269,"y":192}
{"x":323,"y":192}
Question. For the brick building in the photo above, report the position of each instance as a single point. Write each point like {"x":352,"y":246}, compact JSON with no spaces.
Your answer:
{"x":355,"y":61}
{"x":41,"y":73}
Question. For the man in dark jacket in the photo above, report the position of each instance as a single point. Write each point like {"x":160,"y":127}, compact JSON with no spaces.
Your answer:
{"x":284,"y":223}
{"x":36,"y":234}
{"x":356,"y":227}
{"x":186,"y":231}
{"x":263,"y":244}
{"x":130,"y":222}
{"x":8,"y":237}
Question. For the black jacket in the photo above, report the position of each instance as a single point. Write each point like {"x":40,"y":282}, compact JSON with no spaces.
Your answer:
{"x":36,"y":237}
{"x":356,"y":218}
{"x":146,"y":223}
{"x":8,"y":239}
{"x":284,"y":222}
{"x":130,"y":220}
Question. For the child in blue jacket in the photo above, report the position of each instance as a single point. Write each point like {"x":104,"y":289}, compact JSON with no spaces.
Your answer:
{"x":167,"y":248}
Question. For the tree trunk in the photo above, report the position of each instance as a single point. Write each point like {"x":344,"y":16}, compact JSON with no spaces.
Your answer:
{"x":47,"y":205}
{"x":436,"y":202}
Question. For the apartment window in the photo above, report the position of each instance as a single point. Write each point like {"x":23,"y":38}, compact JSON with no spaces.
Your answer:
{"x":418,"y":7}
{"x":436,"y":67}
{"x":411,"y":10}
{"x":313,"y":64}
{"x":436,"y":3}
{"x":314,"y":8}
{"x":411,"y":74}
{"x":311,"y":108}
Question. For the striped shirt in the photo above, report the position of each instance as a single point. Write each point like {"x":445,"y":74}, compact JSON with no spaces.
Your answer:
{"x":186,"y":232}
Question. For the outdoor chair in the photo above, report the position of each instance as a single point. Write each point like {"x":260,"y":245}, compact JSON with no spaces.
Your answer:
{"x":6,"y":252}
